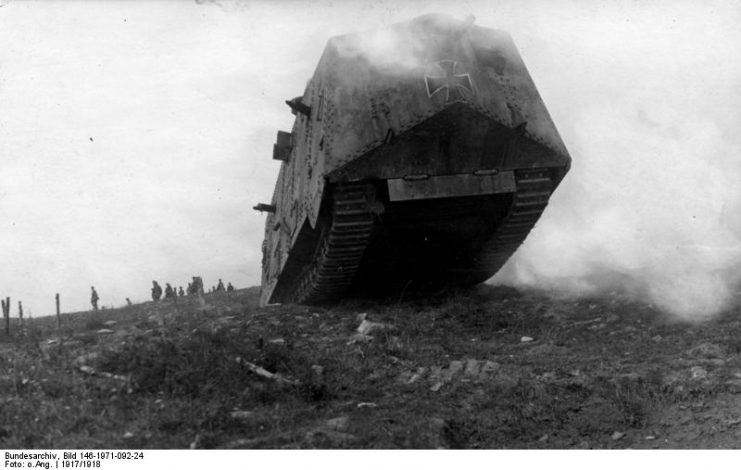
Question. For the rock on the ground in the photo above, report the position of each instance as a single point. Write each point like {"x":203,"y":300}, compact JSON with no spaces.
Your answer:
{"x":453,"y":368}
{"x":360,"y":338}
{"x":706,"y":351}
{"x":105,"y":331}
{"x":369,"y":327}
{"x":85,"y":359}
{"x":472,"y":368}
{"x":489,"y":367}
{"x":418,"y":374}
{"x":340,"y":423}
{"x":242,"y":414}
{"x":698,"y":373}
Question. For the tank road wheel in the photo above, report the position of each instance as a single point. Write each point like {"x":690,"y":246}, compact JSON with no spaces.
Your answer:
{"x":341,"y":245}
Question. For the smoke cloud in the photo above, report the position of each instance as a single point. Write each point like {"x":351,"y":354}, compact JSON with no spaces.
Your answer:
{"x":652,"y":205}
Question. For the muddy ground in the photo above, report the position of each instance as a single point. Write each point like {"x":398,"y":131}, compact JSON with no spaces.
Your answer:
{"x":493,"y":368}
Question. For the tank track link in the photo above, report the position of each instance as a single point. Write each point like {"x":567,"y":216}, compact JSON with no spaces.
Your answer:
{"x":534,"y":188}
{"x":341,"y":246}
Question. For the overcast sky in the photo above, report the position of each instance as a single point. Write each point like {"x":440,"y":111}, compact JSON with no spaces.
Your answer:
{"x":136,"y":136}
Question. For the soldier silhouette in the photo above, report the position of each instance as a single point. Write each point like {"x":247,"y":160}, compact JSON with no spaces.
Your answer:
{"x":128,"y":302}
{"x":94,"y":298}
{"x":168,"y":290}
{"x":230,"y":287}
{"x":220,"y":286}
{"x":181,"y":293}
{"x":156,"y":291}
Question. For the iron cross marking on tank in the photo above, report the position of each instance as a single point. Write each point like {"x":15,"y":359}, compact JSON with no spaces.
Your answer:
{"x":450,"y":81}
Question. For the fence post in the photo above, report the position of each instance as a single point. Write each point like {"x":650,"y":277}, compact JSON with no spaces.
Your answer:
{"x":20,"y":312}
{"x":59,"y":317}
{"x":6,"y":314}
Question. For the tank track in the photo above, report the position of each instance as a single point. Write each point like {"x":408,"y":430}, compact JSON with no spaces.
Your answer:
{"x":534,"y":188}
{"x":341,"y":246}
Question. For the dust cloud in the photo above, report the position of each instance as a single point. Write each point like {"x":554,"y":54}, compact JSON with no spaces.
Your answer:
{"x":651,"y":208}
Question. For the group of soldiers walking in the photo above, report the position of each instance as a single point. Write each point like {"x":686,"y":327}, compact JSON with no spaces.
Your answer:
{"x":194,"y":288}
{"x":170,"y":292}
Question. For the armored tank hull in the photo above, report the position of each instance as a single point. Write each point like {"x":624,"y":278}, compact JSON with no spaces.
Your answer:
{"x":421,"y":157}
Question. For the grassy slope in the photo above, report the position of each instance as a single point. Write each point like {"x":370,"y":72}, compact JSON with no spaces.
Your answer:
{"x":599,"y":373}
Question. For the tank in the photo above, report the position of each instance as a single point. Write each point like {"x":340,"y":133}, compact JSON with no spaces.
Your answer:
{"x":421,"y":156}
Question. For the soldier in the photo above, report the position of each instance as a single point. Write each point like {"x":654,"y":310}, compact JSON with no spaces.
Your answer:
{"x":220,"y":286}
{"x":197,"y":285}
{"x":230,"y":287}
{"x":168,"y":290}
{"x":94,"y":298}
{"x":156,"y":291}
{"x":128,"y":302}
{"x":181,"y":293}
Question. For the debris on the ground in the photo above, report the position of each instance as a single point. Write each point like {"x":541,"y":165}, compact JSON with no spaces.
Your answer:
{"x":526,"y":339}
{"x":128,"y":435}
{"x":453,"y":368}
{"x":489,"y":367}
{"x":417,"y":375}
{"x":242,"y":414}
{"x":698,"y":372}
{"x":105,"y":331}
{"x":368,"y":327}
{"x":241,"y":443}
{"x":366,"y":404}
{"x":110,"y":323}
{"x":707,"y":351}
{"x":255,"y":369}
{"x":472,"y":368}
{"x":278,"y":341}
{"x":340,"y":423}
{"x":108,"y":375}
{"x":617,"y":435}
{"x":359,"y":338}
{"x":86,"y":358}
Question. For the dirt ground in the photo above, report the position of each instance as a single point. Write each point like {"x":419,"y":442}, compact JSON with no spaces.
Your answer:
{"x":492,"y":368}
